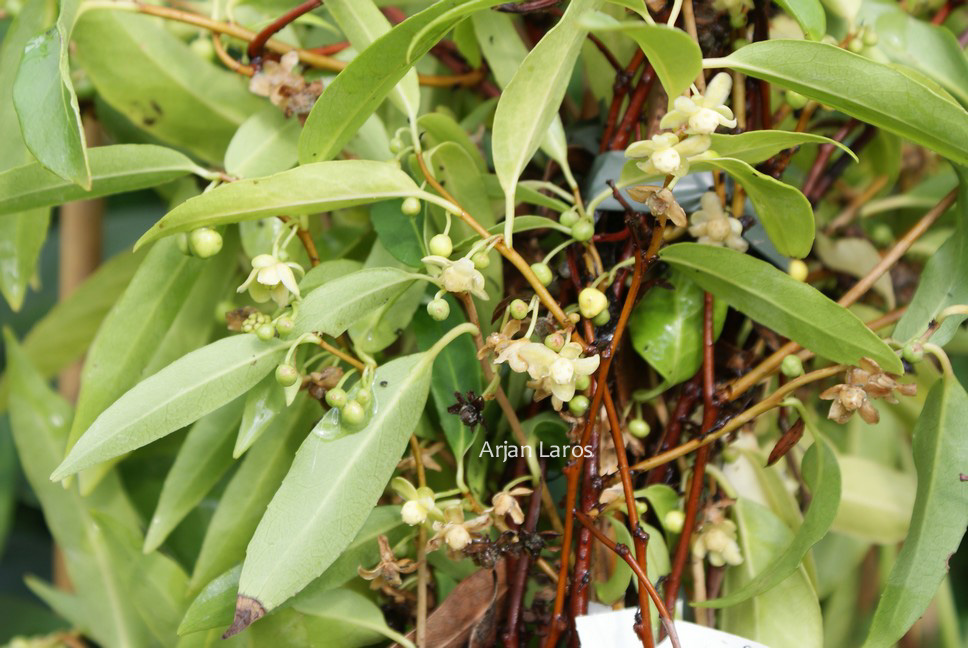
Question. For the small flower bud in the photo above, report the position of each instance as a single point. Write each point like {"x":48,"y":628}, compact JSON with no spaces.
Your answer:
{"x":856,"y":45}
{"x":353,"y":413}
{"x":481,"y":260}
{"x":569,"y":218}
{"x":737,"y":21}
{"x":363,"y":396}
{"x":266,"y":332}
{"x":518,"y":309}
{"x":870,"y":37}
{"x":287,"y":375}
{"x":591,"y":302}
{"x":396,"y":145}
{"x":882,"y":234}
{"x":555,"y":342}
{"x":574,"y":318}
{"x":602,"y":318}
{"x":578,"y":405}
{"x":582,"y":383}
{"x":336,"y":397}
{"x":413,"y":513}
{"x":792,"y":366}
{"x":441,"y":245}
{"x":798,"y":270}
{"x":438,"y":309}
{"x":913,"y":352}
{"x":673,"y":521}
{"x":639,"y":428}
{"x":542,"y":272}
{"x":284,"y":325}
{"x":411,"y":206}
{"x":205,"y":242}
{"x":583,"y":230}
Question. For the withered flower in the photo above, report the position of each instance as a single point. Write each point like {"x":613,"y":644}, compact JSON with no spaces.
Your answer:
{"x":661,"y":202}
{"x":863,"y":383}
{"x":385,"y":576}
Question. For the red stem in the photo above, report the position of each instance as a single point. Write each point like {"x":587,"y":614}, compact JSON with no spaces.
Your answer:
{"x":257,"y":44}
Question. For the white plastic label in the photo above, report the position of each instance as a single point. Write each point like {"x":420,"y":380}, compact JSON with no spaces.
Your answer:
{"x":613,"y":629}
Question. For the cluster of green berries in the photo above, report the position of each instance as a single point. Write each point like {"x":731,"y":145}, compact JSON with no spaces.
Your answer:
{"x":864,"y":38}
{"x":582,"y":228}
{"x":352,"y":410}
{"x":255,"y":321}
{"x":203,"y":242}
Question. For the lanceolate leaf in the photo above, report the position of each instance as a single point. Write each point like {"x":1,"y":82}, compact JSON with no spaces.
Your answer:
{"x":114,"y":169}
{"x":791,"y":308}
{"x":22,"y":236}
{"x":530,"y":101}
{"x":304,"y":190}
{"x":823,"y":477}
{"x":205,"y":455}
{"x":265,"y":143}
{"x":179,"y":394}
{"x":248,"y":493}
{"x":152,"y":77}
{"x":363,"y":85}
{"x":333,"y":307}
{"x":43,"y":93}
{"x":859,"y":87}
{"x":331,"y":487}
{"x":942,"y":283}
{"x":676,"y":58}
{"x":263,"y":406}
{"x":810,"y":15}
{"x":940,"y":514}
{"x":754,"y":147}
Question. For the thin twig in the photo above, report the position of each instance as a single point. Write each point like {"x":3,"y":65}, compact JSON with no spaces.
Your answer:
{"x":257,"y":45}
{"x":423,"y":574}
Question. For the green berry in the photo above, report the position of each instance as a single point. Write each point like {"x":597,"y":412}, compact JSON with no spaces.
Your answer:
{"x":203,"y":48}
{"x":364,"y":396}
{"x":578,"y":405}
{"x":792,"y":366}
{"x":639,"y":428}
{"x":602,"y":318}
{"x":353,"y":413}
{"x":285,"y":325}
{"x":569,"y":218}
{"x":396,"y":145}
{"x":222,"y":310}
{"x":882,"y":234}
{"x":583,"y":230}
{"x":265,"y":332}
{"x":411,"y":206}
{"x":740,"y":43}
{"x":438,"y":309}
{"x":591,"y":302}
{"x":441,"y":245}
{"x":737,"y":21}
{"x":336,"y":398}
{"x":582,"y":383}
{"x":913,"y":352}
{"x":856,"y":45}
{"x":870,"y":37}
{"x":481,"y":260}
{"x":542,"y":272}
{"x":673,"y":521}
{"x":287,"y":375}
{"x":555,"y":342}
{"x":518,"y":309}
{"x":205,"y":242}
{"x":795,"y":99}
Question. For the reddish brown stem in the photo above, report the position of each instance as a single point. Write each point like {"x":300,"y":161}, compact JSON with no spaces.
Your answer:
{"x":634,"y":110}
{"x":620,"y":91}
{"x":520,"y":577}
{"x":257,"y":45}
{"x":581,"y":575}
{"x":823,"y":156}
{"x":702,"y":455}
{"x":673,"y":431}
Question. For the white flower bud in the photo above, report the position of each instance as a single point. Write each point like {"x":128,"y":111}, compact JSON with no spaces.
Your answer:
{"x":413,"y":513}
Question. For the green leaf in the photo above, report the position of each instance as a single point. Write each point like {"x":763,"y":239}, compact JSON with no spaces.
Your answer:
{"x":65,"y":332}
{"x":129,"y":335}
{"x":823,"y":478}
{"x":809,"y":14}
{"x":870,"y":91}
{"x":675,"y":57}
{"x":39,"y":420}
{"x":439,"y":127}
{"x":265,"y":143}
{"x":875,"y":502}
{"x":940,"y":514}
{"x":789,"y":616}
{"x":356,"y":92}
{"x":521,"y":224}
{"x":942,"y":282}
{"x":179,"y":394}
{"x":263,"y":405}
{"x":363,"y":23}
{"x":855,"y":256}
{"x":204,"y":457}
{"x":754,"y":147}
{"x":213,"y":606}
{"x":401,"y":234}
{"x":326,"y":272}
{"x":304,"y":190}
{"x":331,"y":487}
{"x":152,"y":77}
{"x":22,"y":236}
{"x":46,"y":103}
{"x":791,"y":308}
{"x":666,"y":328}
{"x":530,"y":102}
{"x":247,"y":495}
{"x":114,"y":169}
{"x":348,"y":617}
{"x":332,"y":308}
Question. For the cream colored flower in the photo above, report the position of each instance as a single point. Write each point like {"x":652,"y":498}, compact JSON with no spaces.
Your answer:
{"x":273,"y":279}
{"x":458,"y":276}
{"x":455,"y":531}
{"x":556,"y":374}
{"x":419,"y":502}
{"x":703,"y":113}
{"x":666,"y":155}
{"x":712,"y":226}
{"x":504,"y":503}
{"x":717,"y":542}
